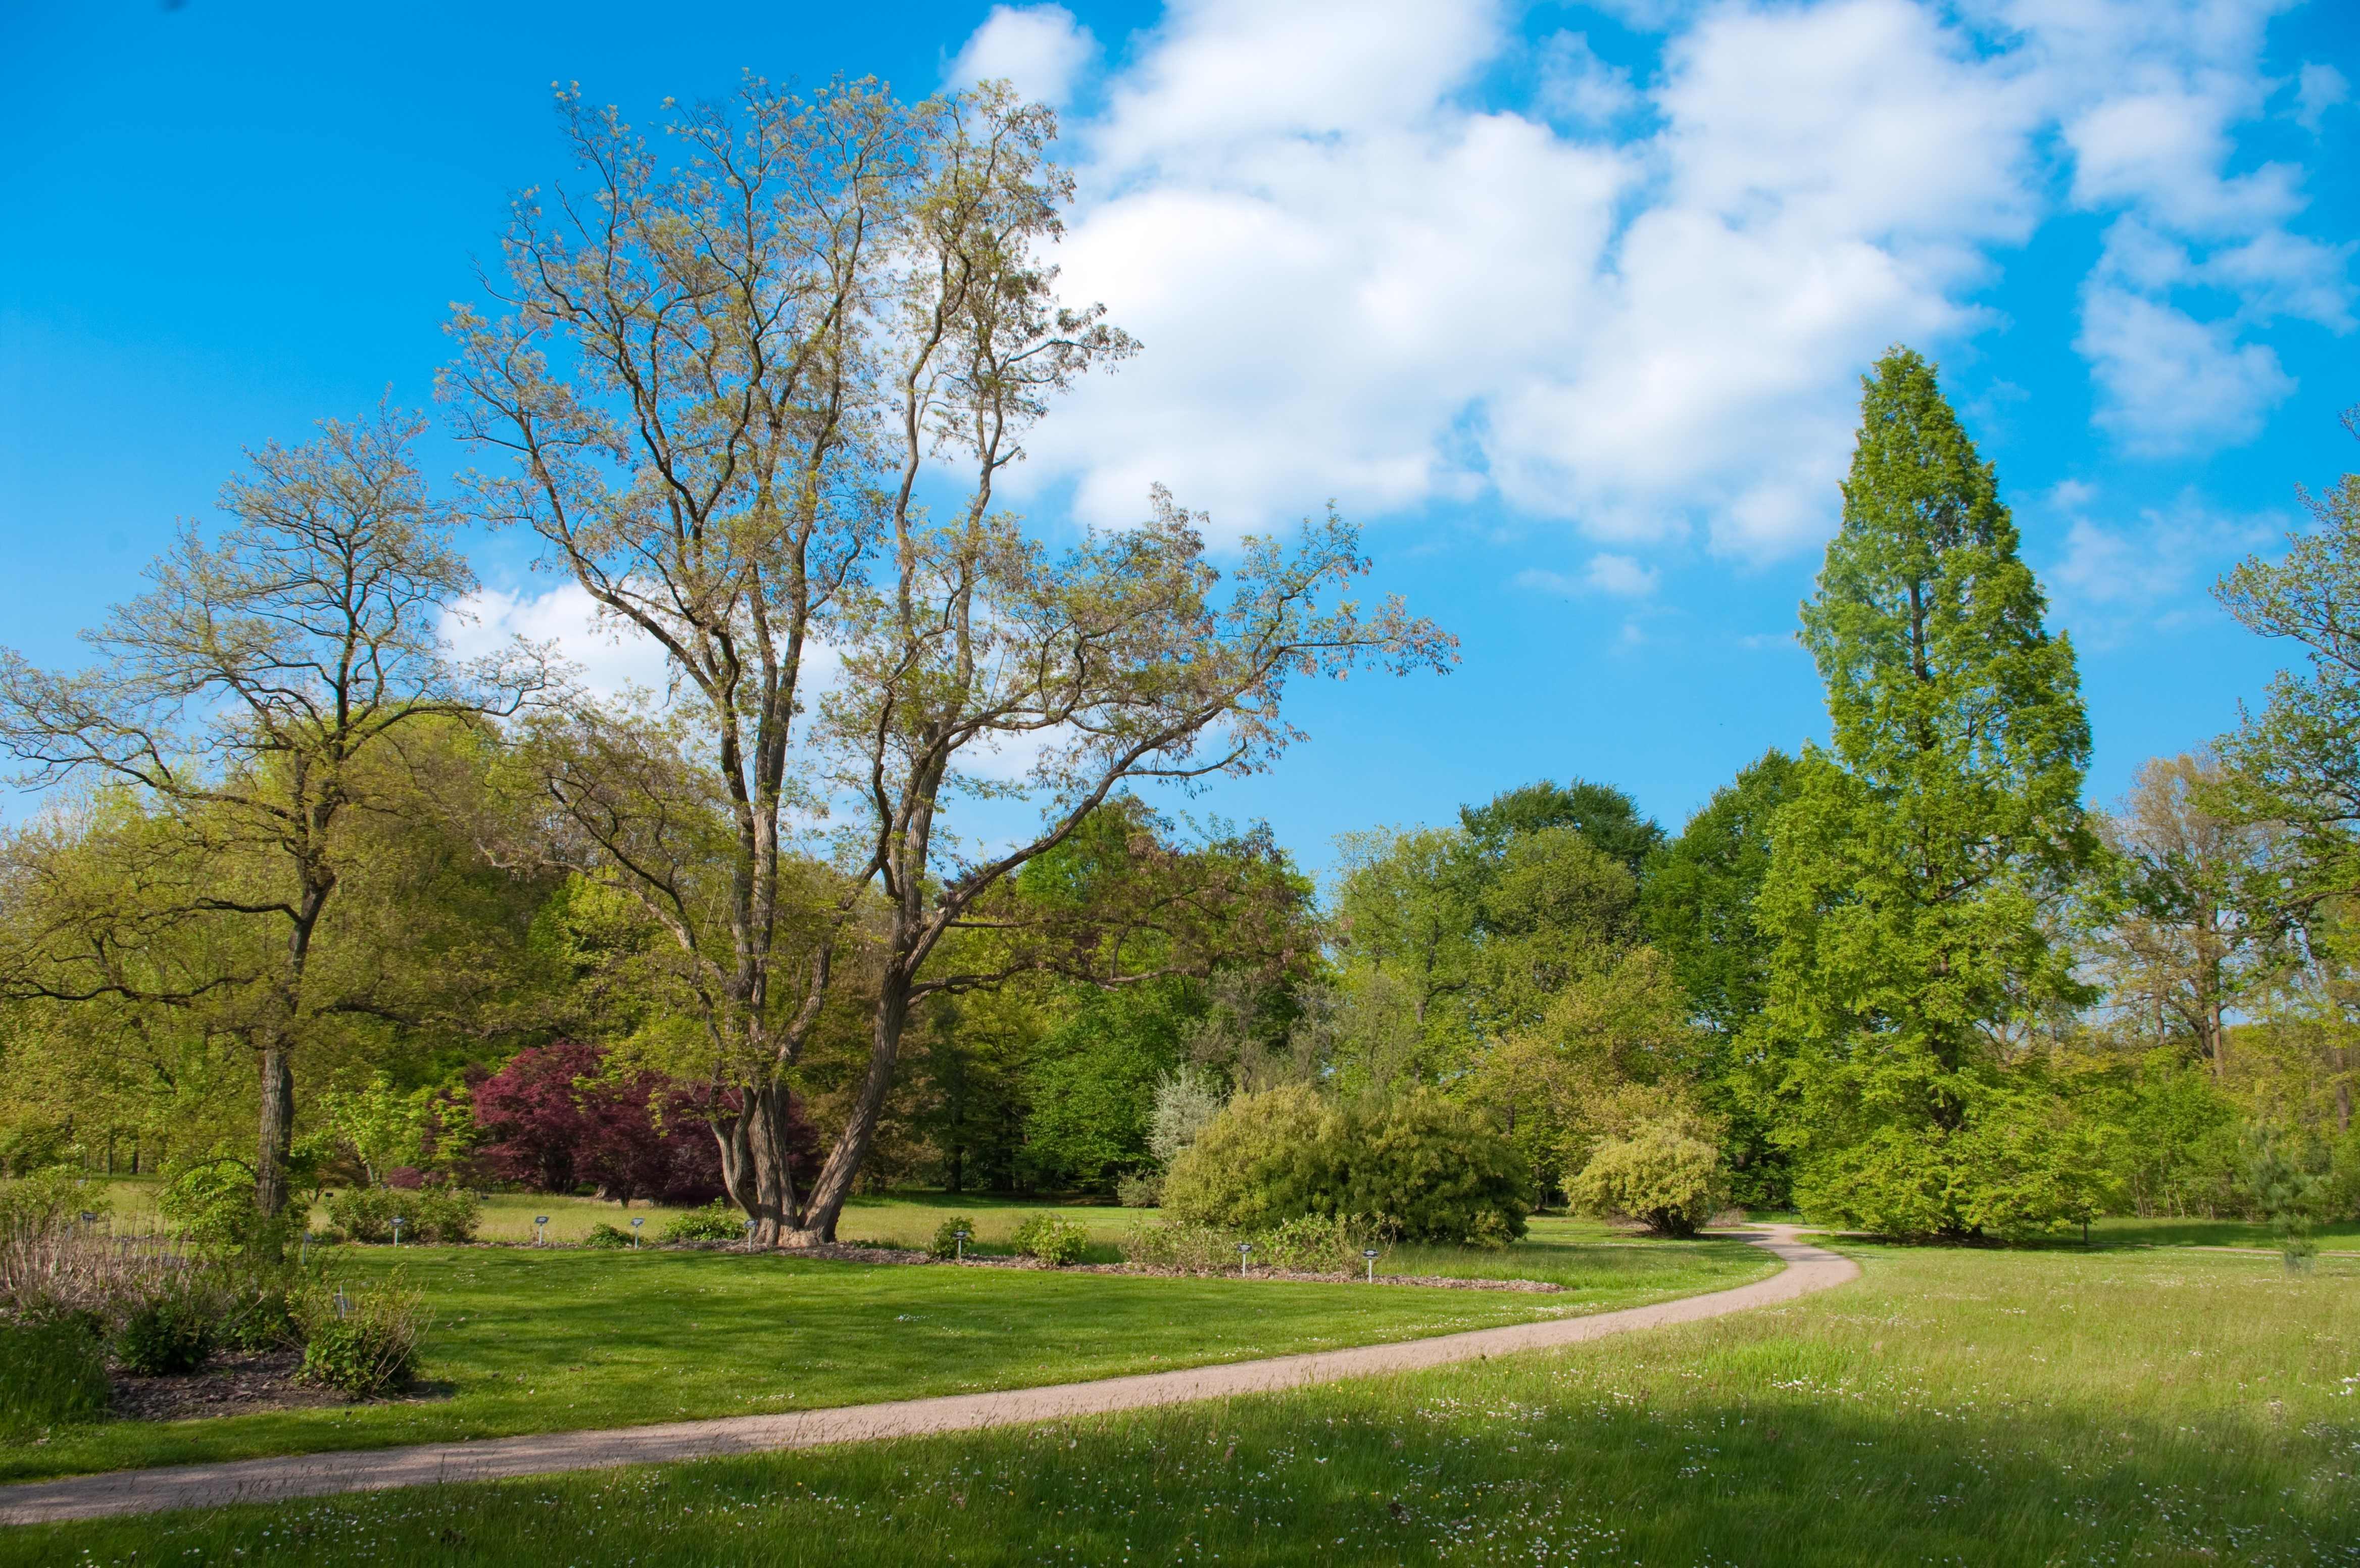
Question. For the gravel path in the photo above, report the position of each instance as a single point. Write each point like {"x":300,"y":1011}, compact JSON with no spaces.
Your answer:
{"x":1808,"y":1269}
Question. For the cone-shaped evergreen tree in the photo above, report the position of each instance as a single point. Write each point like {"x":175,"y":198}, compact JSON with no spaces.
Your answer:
{"x":1912,"y":868}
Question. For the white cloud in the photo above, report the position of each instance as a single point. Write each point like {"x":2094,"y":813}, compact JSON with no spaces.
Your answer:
{"x":2169,"y":383}
{"x":2319,"y":88}
{"x":1623,"y":576}
{"x":1577,"y":87}
{"x":1039,"y":49}
{"x":1641,"y":307}
{"x":2113,"y":584}
{"x":610,"y":656}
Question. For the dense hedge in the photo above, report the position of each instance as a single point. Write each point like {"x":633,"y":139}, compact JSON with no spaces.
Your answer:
{"x":1425,"y":1167}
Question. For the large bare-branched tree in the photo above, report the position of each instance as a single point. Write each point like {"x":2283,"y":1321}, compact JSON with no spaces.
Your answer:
{"x":255,"y":699}
{"x":729,"y":382}
{"x":685,"y":379}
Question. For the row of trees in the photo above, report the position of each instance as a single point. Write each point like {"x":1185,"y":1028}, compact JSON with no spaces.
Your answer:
{"x":1906,"y":979}
{"x":751,"y":389}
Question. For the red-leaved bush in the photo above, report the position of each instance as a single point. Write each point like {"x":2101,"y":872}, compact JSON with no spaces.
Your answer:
{"x":554,"y":1118}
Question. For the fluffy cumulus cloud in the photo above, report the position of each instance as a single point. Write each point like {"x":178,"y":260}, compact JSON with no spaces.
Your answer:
{"x":1639,"y":302}
{"x":1040,"y":50}
{"x":609,"y":657}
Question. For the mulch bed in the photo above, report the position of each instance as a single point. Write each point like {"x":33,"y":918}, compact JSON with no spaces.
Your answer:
{"x":230,"y":1385}
{"x":238,"y":1383}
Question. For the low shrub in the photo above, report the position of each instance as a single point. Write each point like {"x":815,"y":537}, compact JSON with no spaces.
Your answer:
{"x":171,"y":1334}
{"x":946,"y":1243}
{"x":51,"y":1372}
{"x":262,"y":1314}
{"x":446,"y":1214}
{"x":1140,"y":1189}
{"x":1052,"y":1238}
{"x":1175,"y":1243}
{"x":1662,"y":1175}
{"x":603,"y":1235}
{"x":1316,"y":1243}
{"x":366,"y":1343}
{"x":1425,"y":1167}
{"x":717,"y":1222}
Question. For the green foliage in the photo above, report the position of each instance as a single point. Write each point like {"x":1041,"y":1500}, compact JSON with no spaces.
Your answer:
{"x":209,"y":1206}
{"x":1052,"y":1238}
{"x":264,"y":1313}
{"x":2291,"y":1186}
{"x":366,"y":1343}
{"x":1093,"y":1082}
{"x":1307,"y":1244}
{"x":951,"y":1238}
{"x":51,"y":1374}
{"x":2178,"y":1142}
{"x":1180,"y":1245}
{"x":607,"y":1236}
{"x":43,"y":1200}
{"x":1427,"y":1168}
{"x":171,"y":1334}
{"x":2297,"y":762}
{"x":1140,"y":1189}
{"x":447,"y":1214}
{"x":1606,"y":817}
{"x":1696,"y":906}
{"x":1914,"y":868}
{"x":717,"y":1222}
{"x":1266,"y":1157}
{"x":384,"y":1127}
{"x":1316,"y":1243}
{"x":1662,"y":1175}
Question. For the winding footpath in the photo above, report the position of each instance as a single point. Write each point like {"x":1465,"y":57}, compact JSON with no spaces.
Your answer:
{"x":1809,"y":1269}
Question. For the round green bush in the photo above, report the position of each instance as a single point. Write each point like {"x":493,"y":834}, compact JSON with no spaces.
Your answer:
{"x":1662,"y":1175}
{"x":168,"y":1335}
{"x":717,"y":1222}
{"x":603,"y":1235}
{"x":1263,"y":1158}
{"x":1420,"y":1167}
{"x":51,"y":1372}
{"x":946,"y":1243}
{"x":1052,"y":1238}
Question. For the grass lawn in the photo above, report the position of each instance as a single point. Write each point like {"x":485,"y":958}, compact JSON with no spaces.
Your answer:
{"x":540,"y":1341}
{"x":1953,"y":1406}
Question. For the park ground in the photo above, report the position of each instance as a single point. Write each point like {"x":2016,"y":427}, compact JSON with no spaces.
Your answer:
{"x":2146,"y":1399}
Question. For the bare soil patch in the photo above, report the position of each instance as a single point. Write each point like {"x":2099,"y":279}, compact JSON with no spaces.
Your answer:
{"x":238,"y":1383}
{"x":233,"y":1384}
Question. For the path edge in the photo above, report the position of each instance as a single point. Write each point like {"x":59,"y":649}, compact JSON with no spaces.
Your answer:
{"x":117,"y":1493}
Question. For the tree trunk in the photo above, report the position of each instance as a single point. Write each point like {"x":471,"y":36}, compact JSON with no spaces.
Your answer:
{"x":843,"y":1161}
{"x":277,"y":1129}
{"x":754,"y":1150}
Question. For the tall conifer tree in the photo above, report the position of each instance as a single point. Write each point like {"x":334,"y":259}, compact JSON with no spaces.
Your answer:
{"x":1912,"y":869}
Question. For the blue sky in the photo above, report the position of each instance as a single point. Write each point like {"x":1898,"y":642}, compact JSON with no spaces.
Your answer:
{"x":1566,"y":304}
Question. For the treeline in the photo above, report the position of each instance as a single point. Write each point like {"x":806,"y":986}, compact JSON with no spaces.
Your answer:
{"x":1906,"y":980}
